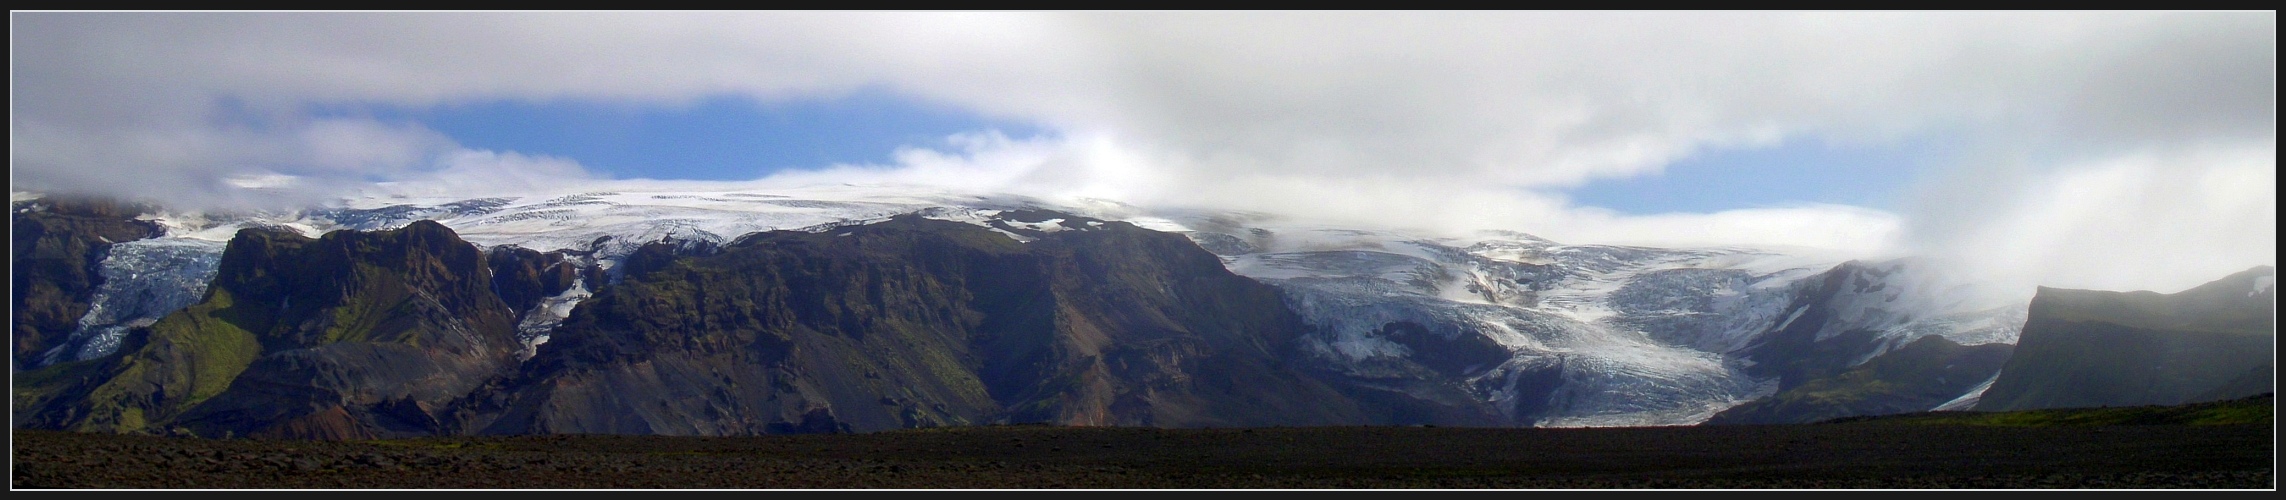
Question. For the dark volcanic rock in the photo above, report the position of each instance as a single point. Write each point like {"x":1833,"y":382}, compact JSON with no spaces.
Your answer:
{"x":2084,"y":348}
{"x":916,"y":323}
{"x":57,"y":245}
{"x":906,"y":323}
{"x":334,"y":337}
{"x":523,"y":277}
{"x":1466,"y":352}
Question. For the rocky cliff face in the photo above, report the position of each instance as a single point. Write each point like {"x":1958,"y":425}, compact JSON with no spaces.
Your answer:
{"x":351,"y":335}
{"x":2085,"y":348}
{"x":523,"y":278}
{"x":57,"y":244}
{"x":542,"y":287}
{"x":912,"y":323}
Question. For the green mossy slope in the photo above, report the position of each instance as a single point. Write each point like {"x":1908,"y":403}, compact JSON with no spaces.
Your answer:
{"x":349,"y":335}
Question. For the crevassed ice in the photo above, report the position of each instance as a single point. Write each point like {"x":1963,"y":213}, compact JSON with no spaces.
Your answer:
{"x":143,"y":280}
{"x":1353,"y":283}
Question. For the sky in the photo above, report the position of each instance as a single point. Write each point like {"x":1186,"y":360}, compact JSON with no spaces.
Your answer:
{"x":2107,"y":150}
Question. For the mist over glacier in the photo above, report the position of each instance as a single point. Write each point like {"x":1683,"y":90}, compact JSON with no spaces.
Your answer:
{"x":2112,"y":150}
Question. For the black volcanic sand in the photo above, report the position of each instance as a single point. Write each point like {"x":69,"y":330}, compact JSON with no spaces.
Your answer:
{"x":1845,"y":455}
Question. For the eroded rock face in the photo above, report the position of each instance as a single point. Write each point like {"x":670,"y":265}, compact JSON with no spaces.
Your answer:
{"x":542,"y":287}
{"x":58,"y":243}
{"x":332,"y":337}
{"x":913,"y":323}
{"x":524,"y":277}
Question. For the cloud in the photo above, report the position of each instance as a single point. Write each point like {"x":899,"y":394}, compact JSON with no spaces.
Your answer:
{"x":2160,"y":219}
{"x":984,"y":161}
{"x":474,"y":173}
{"x":203,"y":166}
{"x":1397,"y":118}
{"x":1075,"y":170}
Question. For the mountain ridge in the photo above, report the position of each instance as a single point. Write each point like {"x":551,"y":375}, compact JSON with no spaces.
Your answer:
{"x":1499,"y":329}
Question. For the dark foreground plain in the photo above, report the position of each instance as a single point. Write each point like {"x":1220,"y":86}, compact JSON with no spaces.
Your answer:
{"x":1863,"y":454}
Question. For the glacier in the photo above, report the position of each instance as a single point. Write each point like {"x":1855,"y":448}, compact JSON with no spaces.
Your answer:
{"x":1548,"y":334}
{"x":143,"y":280}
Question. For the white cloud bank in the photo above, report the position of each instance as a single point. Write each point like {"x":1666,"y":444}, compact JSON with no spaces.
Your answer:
{"x":2162,"y":220}
{"x":2113,"y":150}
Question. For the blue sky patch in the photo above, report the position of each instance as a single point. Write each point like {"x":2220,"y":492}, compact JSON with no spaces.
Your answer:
{"x":1798,"y":171}
{"x":719,"y":138}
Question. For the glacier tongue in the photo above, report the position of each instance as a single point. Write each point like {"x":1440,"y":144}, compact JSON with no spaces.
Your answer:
{"x":1594,"y":335}
{"x":143,"y":280}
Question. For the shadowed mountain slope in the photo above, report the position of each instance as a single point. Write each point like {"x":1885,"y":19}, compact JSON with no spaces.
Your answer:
{"x":1917,"y":377}
{"x":2083,"y":348}
{"x":916,"y":322}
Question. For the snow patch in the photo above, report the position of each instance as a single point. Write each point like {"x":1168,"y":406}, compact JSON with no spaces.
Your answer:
{"x":1970,"y":399}
{"x":1046,"y":226}
{"x":978,"y":218}
{"x":1790,"y":319}
{"x":1013,"y":236}
{"x":1158,"y":224}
